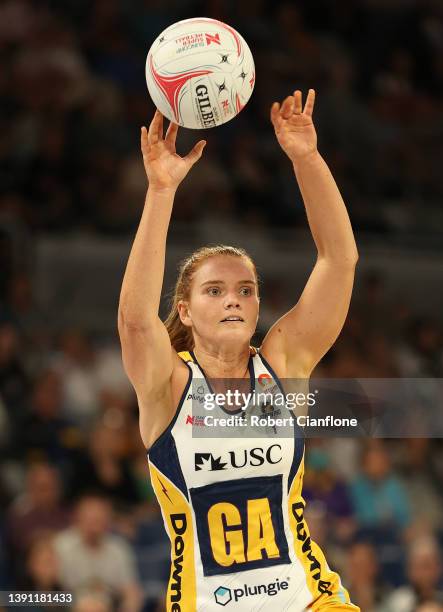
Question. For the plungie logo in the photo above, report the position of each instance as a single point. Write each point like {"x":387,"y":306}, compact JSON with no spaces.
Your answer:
{"x":179,"y":525}
{"x":223,"y":595}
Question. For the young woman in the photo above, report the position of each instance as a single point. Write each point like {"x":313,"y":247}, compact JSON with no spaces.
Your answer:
{"x":232,"y":505}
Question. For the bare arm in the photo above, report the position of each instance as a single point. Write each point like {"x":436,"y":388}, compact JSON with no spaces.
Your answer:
{"x":301,"y":337}
{"x":146,"y":350}
{"x":147,"y":353}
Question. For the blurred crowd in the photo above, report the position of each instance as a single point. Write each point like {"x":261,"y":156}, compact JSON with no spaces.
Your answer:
{"x":73,"y":97}
{"x":77,"y":511}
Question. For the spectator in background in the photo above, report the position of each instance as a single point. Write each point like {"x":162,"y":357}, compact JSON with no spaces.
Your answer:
{"x":362,"y":576}
{"x":43,"y":434}
{"x":416,"y":463}
{"x":109,"y":371}
{"x":149,"y":507}
{"x":5,"y":431}
{"x":423,"y":354}
{"x":371,"y":303}
{"x":323,"y":486}
{"x":430,"y":606}
{"x":92,"y":558}
{"x":424,"y":570}
{"x":377,"y":494}
{"x":42,"y":566}
{"x":31,"y":320}
{"x":38,"y":509}
{"x":104,"y":468}
{"x":380,"y":356}
{"x":92,"y":602}
{"x":86,"y":374}
{"x":13,"y":379}
{"x":4,"y":576}
{"x":75,"y":365}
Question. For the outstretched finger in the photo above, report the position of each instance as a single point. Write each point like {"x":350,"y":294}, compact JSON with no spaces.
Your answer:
{"x":171,"y":133}
{"x":196,"y":152}
{"x":155,"y":128}
{"x":287,"y":107}
{"x":310,"y":101}
{"x":160,"y":127}
{"x":275,"y":114}
{"x":144,"y":139}
{"x":297,"y":102}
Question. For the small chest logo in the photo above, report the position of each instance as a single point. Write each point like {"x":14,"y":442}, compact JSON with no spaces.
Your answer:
{"x":253,"y":457}
{"x":195,"y":421}
{"x":208,"y":463}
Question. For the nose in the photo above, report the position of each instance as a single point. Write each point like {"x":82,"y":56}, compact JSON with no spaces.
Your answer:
{"x":232,"y":301}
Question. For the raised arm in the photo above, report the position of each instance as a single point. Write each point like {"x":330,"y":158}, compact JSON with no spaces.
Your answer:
{"x":301,"y":337}
{"x":147,"y":354}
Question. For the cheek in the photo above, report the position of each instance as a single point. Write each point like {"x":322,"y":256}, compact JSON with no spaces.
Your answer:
{"x":254,"y":307}
{"x":202,"y":307}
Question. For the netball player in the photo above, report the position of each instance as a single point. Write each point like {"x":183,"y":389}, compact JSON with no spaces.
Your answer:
{"x":232,"y":506}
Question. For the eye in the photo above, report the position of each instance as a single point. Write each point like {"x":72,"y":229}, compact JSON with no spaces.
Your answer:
{"x":246,"y":291}
{"x":214,"y":291}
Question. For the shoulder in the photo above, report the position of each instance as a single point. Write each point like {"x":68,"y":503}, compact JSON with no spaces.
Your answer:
{"x":157,"y":410}
{"x":181,"y":376}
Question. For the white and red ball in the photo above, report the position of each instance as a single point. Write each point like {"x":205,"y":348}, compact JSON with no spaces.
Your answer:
{"x":200,"y":73}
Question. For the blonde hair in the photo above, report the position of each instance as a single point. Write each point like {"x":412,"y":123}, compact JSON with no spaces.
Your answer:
{"x":179,"y":334}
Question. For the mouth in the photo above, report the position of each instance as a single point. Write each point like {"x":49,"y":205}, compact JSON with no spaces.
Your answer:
{"x":233,"y":319}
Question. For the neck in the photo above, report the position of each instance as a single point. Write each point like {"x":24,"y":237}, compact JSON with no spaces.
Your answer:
{"x":223,"y":362}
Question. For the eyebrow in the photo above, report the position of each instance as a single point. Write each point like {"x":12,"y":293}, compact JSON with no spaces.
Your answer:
{"x":220,"y":282}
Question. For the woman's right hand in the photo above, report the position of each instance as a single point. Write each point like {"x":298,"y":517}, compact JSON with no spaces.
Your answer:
{"x":164,"y":168}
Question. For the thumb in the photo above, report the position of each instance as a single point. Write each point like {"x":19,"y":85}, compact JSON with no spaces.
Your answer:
{"x":196,"y":152}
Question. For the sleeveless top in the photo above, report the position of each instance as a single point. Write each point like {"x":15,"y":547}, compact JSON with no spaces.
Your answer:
{"x":231,"y":502}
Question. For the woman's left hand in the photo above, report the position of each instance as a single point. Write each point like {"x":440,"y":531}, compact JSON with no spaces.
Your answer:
{"x":293,"y":126}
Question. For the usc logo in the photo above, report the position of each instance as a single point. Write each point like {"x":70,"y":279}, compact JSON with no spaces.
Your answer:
{"x":233,"y":541}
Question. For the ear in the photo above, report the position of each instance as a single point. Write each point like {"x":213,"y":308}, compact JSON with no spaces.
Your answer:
{"x":184,"y":313}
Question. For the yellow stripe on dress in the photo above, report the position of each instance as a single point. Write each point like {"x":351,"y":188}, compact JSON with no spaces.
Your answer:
{"x":324,"y":584}
{"x":181,"y":595}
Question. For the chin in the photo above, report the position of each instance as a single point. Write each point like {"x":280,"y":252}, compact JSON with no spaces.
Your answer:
{"x":236,"y":335}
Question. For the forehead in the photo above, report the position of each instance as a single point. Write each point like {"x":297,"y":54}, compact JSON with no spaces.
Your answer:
{"x":225,"y":268}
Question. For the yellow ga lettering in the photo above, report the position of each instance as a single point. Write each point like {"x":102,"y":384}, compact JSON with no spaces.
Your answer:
{"x":228,"y":544}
